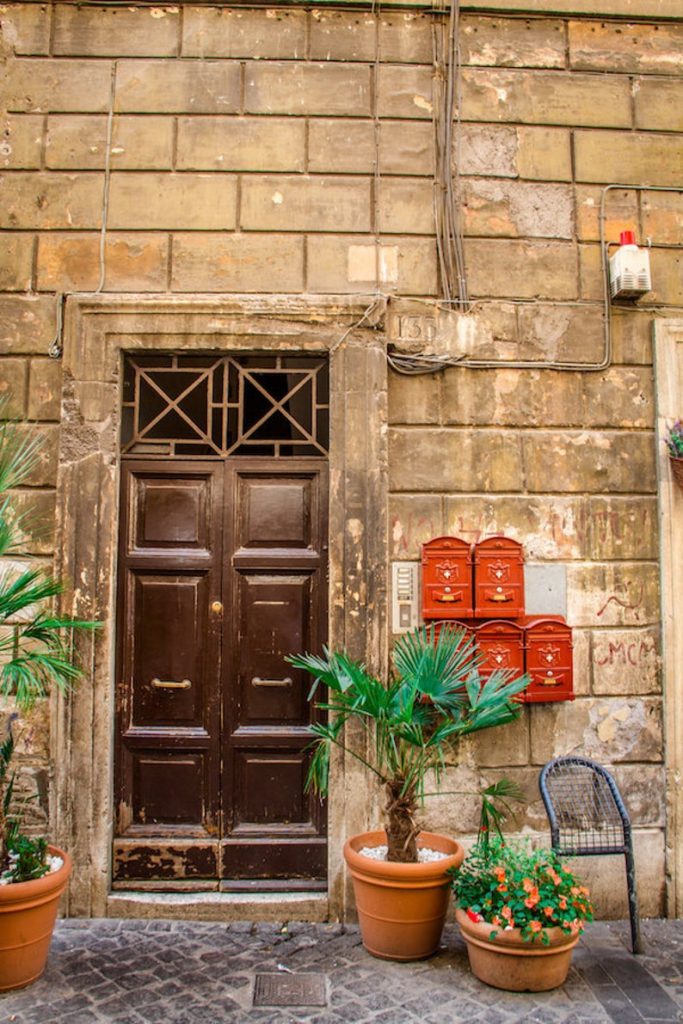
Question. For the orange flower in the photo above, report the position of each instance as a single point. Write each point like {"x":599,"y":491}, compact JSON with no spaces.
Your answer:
{"x":562,"y":903}
{"x":496,"y":920}
{"x":502,"y":888}
{"x":528,"y":885}
{"x":535,"y":926}
{"x":507,"y":913}
{"x":553,"y":876}
{"x":531,"y":901}
{"x":500,"y":874}
{"x":548,"y":911}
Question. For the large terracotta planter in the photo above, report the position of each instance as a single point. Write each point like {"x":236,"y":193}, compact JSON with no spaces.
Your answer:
{"x":28,"y":911}
{"x":401,"y":907}
{"x":510,"y":963}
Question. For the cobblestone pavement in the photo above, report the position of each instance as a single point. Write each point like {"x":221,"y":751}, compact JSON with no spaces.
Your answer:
{"x":153,"y":972}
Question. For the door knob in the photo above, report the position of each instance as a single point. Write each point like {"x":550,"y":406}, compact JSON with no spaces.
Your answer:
{"x":216,"y":607}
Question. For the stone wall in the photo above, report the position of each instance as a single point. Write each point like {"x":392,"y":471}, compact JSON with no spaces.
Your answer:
{"x":290,"y":150}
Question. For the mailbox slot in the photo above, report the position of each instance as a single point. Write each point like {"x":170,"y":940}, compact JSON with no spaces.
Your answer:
{"x":446,"y":579}
{"x":549,"y":661}
{"x":502,"y":644}
{"x":498,"y":579}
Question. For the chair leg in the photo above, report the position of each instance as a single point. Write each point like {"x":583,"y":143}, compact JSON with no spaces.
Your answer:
{"x":636,"y":941}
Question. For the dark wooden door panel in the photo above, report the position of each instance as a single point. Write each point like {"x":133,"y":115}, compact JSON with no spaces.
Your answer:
{"x":222,"y":573}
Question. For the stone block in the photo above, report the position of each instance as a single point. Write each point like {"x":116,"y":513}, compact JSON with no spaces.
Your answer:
{"x":610,"y":898}
{"x":16,"y":262}
{"x":517,"y":209}
{"x":613,"y":594}
{"x":37,"y":511}
{"x":541,"y":97}
{"x":44,"y":473}
{"x":521,"y":270}
{"x":621,"y":213}
{"x":31,"y":730}
{"x":506,"y":745}
{"x":406,"y":206}
{"x":71,"y":262}
{"x":175,"y":201}
{"x":609,"y":730}
{"x":565,"y":333}
{"x":626,"y":662}
{"x":80,"y":142}
{"x":667,"y":277}
{"x":581,"y":640}
{"x":13,"y":387}
{"x":273,"y":33}
{"x":116,"y":31}
{"x":488,"y":150}
{"x":550,"y":528}
{"x":45,"y":389}
{"x":27,"y":322}
{"x":414,"y":519}
{"x":643,"y":788}
{"x":512,"y":42}
{"x":509,"y":398}
{"x":34,"y":199}
{"x":426,"y":459}
{"x":404,"y":91}
{"x":630,"y":158}
{"x":572,"y":461}
{"x":406,"y":149}
{"x":455,"y":815}
{"x":293,"y":88}
{"x":290,"y":203}
{"x":237,"y":262}
{"x":623,"y":528}
{"x":344,"y":264}
{"x":659,"y":105}
{"x":343,"y":35}
{"x":59,"y":85}
{"x":662,"y":214}
{"x":177,"y":86}
{"x":340,"y":146}
{"x":414,"y":399}
{"x":497,"y":331}
{"x":633,"y":49}
{"x":26,"y":28}
{"x":619,"y":397}
{"x":21,"y":140}
{"x":544,"y":154}
{"x":631,"y":336}
{"x":405,"y":37}
{"x":241,"y":144}
{"x":591,"y":273}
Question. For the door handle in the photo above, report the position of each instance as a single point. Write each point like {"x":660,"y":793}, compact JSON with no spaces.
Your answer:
{"x":170,"y":684}
{"x":271,"y":682}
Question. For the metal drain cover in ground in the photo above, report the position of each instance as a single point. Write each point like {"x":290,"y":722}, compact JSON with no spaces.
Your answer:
{"x":290,"y":990}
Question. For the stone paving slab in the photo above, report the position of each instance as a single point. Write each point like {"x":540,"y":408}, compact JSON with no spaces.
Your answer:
{"x":163,"y":972}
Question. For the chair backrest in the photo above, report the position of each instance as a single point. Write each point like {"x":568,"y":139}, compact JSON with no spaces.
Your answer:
{"x":584,"y":807}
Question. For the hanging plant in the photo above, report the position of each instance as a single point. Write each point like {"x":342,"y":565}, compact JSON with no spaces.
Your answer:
{"x":674,"y":442}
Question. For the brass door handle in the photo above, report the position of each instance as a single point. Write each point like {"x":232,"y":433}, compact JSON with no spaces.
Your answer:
{"x":170,"y":684}
{"x":271,"y":682}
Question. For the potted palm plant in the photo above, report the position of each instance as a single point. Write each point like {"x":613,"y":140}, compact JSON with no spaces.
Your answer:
{"x":34,"y":657}
{"x":410,"y":725}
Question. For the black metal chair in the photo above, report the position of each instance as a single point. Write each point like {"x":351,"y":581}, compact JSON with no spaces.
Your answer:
{"x":588,"y":817}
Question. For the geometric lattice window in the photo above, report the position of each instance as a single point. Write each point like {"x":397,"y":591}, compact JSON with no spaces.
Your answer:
{"x":215,"y":406}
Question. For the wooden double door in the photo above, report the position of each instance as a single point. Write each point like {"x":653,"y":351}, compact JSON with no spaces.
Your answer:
{"x":222,"y":572}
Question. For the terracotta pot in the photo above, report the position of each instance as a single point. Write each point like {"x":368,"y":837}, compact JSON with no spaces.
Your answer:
{"x":28,"y":911}
{"x":677,"y":470}
{"x":511,"y":963}
{"x":401,"y":907}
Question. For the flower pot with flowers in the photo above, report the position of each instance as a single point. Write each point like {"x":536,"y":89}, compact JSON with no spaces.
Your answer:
{"x":405,"y":733}
{"x":674,"y":442}
{"x":35,"y":655}
{"x":521,"y":912}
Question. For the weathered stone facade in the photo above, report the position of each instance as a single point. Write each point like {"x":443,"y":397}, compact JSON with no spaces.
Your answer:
{"x":286,"y":155}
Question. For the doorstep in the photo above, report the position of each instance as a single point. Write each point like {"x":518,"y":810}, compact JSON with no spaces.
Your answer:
{"x":312,"y":907}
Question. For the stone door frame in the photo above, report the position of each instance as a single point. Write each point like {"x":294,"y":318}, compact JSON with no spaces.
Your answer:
{"x":98,"y":329}
{"x":668,"y":360}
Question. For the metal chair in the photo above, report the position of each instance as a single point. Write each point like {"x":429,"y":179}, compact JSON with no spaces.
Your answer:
{"x":587,"y":817}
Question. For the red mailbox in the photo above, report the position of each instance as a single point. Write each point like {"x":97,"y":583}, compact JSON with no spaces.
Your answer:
{"x":549,"y":661}
{"x":502,"y":644}
{"x":498,"y":579}
{"x":446,"y":579}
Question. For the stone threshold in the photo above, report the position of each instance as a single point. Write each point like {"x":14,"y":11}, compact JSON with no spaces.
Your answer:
{"x":312,"y":907}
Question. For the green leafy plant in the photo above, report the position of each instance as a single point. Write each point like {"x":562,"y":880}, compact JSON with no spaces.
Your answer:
{"x":511,"y":885}
{"x":35,"y":644}
{"x":674,"y":440}
{"x":410,"y":723}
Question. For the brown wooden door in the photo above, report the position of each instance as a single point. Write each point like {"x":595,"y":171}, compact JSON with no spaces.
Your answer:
{"x":222,"y":572}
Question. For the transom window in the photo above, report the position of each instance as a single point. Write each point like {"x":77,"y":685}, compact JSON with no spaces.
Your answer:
{"x":217,"y":406}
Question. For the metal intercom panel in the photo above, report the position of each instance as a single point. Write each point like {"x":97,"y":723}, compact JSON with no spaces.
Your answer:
{"x":405,"y":591}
